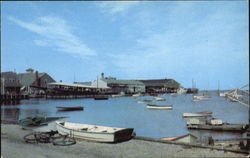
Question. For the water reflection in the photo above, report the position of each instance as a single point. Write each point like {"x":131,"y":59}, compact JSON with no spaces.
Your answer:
{"x":10,"y":102}
{"x":10,"y":114}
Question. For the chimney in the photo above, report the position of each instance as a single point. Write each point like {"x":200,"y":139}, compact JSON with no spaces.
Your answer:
{"x":102,"y":74}
{"x":37,"y":79}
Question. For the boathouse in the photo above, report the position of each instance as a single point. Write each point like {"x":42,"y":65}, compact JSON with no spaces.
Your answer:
{"x":161,"y":85}
{"x":118,"y":86}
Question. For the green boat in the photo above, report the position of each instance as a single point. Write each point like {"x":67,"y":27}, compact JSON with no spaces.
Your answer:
{"x":42,"y":124}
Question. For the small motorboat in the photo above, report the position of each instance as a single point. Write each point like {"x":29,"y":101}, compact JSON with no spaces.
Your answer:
{"x":94,"y":132}
{"x":68,"y":108}
{"x":160,"y":107}
{"x":198,"y":114}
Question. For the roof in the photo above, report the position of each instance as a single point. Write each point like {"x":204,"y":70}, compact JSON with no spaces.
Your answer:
{"x":170,"y":83}
{"x":70,"y":85}
{"x":124,"y":82}
{"x":84,"y":83}
{"x":10,"y":79}
{"x":28,"y":79}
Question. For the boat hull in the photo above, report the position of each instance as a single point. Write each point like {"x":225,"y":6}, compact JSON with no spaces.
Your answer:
{"x":185,"y":114}
{"x":160,"y":107}
{"x":59,"y":108}
{"x":224,"y":127}
{"x":48,"y":126}
{"x":122,"y":134}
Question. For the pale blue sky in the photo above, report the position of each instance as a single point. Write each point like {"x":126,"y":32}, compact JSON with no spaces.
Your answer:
{"x":206,"y":41}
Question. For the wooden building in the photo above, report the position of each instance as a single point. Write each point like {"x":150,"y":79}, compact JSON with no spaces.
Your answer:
{"x":161,"y":85}
{"x":10,"y":83}
{"x":34,"y":82}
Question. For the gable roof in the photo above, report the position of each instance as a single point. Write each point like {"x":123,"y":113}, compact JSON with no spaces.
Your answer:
{"x":169,"y":83}
{"x":28,"y":79}
{"x":123,"y":82}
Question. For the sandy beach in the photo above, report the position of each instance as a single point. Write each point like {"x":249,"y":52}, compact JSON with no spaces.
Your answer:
{"x":14,"y":146}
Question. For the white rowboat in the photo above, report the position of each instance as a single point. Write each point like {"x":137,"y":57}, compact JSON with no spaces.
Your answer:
{"x":94,"y":132}
{"x":160,"y":107}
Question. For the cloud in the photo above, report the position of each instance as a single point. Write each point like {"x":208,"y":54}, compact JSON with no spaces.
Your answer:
{"x":55,"y":32}
{"x":186,"y":44}
{"x":116,"y":6}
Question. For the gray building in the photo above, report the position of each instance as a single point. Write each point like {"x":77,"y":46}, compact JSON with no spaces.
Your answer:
{"x":10,"y":83}
{"x":34,"y":82}
{"x":161,"y":85}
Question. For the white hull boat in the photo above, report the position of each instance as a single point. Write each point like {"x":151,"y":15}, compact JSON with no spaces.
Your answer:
{"x":197,"y":114}
{"x":94,"y":133}
{"x":160,"y":107}
{"x":159,"y":99}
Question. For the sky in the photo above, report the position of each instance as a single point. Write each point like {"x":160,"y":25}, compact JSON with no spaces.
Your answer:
{"x":201,"y":41}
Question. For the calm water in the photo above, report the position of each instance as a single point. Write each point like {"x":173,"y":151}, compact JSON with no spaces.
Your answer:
{"x":126,"y":112}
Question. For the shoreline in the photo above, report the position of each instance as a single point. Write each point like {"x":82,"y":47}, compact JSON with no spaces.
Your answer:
{"x":13,"y":145}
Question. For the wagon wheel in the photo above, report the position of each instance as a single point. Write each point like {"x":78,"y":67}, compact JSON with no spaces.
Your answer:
{"x":64,"y":141}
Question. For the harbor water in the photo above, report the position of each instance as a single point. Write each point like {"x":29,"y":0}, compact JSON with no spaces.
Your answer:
{"x":126,"y":112}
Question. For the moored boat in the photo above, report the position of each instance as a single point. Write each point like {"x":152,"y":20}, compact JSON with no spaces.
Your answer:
{"x":41,"y":124}
{"x":159,"y":99}
{"x":201,"y":97}
{"x":215,"y":124}
{"x":159,"y":107}
{"x":136,"y":95}
{"x":94,"y":132}
{"x":101,"y":97}
{"x":68,"y":108}
{"x":197,"y":114}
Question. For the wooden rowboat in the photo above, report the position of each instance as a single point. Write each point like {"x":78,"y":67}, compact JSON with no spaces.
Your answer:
{"x":65,"y":108}
{"x":197,"y":114}
{"x":93,"y":132}
{"x":160,"y":107}
{"x":101,"y":97}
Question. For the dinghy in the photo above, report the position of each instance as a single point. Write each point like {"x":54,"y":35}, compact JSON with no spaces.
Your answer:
{"x":94,"y":132}
{"x":41,"y":124}
{"x":160,"y":107}
{"x":65,"y":108}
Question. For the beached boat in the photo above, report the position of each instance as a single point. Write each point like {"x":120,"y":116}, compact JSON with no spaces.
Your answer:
{"x":197,"y":114}
{"x":41,"y":124}
{"x":159,"y":107}
{"x":159,"y":99}
{"x":93,"y":132}
{"x":67,"y":108}
{"x":101,"y":97}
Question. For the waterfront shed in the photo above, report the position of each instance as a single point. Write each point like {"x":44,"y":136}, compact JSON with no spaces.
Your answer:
{"x":161,"y":85}
{"x":10,"y":83}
